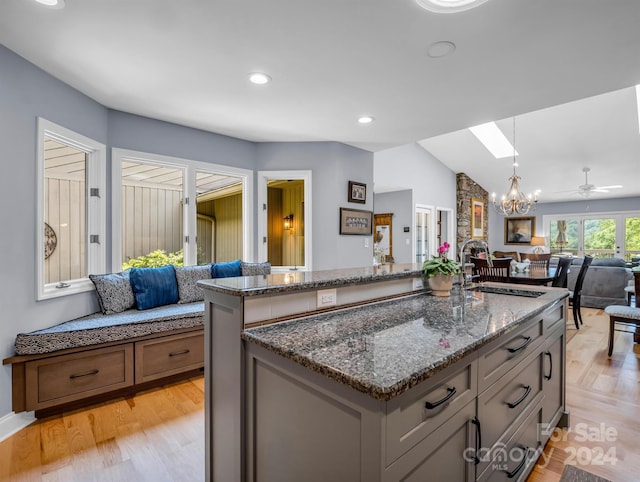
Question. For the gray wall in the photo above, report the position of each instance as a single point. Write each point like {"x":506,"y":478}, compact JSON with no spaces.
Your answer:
{"x":26,"y":92}
{"x":333,"y":165}
{"x":399,"y":203}
{"x":591,"y":206}
{"x":411,"y":167}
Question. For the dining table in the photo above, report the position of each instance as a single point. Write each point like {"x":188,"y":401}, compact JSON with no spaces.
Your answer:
{"x":532,"y":276}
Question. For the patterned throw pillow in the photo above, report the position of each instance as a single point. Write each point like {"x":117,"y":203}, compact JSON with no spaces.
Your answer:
{"x":187,"y":277}
{"x":255,"y":269}
{"x":154,"y":286}
{"x":226,"y":270}
{"x":115,"y":294}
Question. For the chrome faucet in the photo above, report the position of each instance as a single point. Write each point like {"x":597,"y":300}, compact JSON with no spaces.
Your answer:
{"x":467,"y":278}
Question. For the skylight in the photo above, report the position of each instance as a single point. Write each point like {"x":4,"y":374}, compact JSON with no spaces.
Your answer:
{"x":493,"y":139}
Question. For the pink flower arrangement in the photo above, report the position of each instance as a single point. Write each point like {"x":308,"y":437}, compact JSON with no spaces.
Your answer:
{"x":443,"y":249}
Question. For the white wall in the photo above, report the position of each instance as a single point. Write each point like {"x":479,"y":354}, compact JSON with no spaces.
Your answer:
{"x":400,"y":204}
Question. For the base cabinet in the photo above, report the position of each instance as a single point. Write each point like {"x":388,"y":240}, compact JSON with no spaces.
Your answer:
{"x":48,"y":381}
{"x":478,"y":419}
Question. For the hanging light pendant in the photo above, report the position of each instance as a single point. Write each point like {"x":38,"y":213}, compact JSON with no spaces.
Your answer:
{"x":514,"y":201}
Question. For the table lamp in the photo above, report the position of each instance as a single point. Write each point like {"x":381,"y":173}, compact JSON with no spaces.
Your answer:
{"x":538,"y":242}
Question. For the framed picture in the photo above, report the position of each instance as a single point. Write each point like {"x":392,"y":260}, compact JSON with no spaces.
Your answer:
{"x":356,"y":221}
{"x":477,"y":218}
{"x":519,"y":230}
{"x":357,"y":192}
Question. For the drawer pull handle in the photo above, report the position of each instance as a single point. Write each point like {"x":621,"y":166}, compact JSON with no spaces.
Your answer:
{"x":514,"y":472}
{"x":527,"y":391}
{"x":527,"y":340}
{"x":476,"y":422}
{"x":181,"y":352}
{"x":548,"y":377}
{"x":85,"y":374}
{"x":430,"y":406}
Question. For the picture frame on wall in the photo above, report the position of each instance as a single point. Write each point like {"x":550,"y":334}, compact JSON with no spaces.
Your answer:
{"x":356,"y":221}
{"x":519,"y":230}
{"x":477,"y":218}
{"x":357,"y":192}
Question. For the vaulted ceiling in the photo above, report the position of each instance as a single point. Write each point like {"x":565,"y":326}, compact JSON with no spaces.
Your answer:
{"x":187,"y":62}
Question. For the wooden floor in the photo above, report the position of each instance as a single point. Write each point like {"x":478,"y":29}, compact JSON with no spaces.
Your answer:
{"x":159,"y":436}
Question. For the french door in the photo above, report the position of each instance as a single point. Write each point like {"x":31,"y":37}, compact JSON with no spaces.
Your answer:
{"x":604,"y":235}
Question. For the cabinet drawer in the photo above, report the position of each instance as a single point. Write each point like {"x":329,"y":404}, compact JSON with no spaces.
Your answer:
{"x":514,"y":460}
{"x":67,"y":378}
{"x":169,"y":356}
{"x":503,"y":354}
{"x":447,"y":455}
{"x":417,"y":413}
{"x":507,"y":400}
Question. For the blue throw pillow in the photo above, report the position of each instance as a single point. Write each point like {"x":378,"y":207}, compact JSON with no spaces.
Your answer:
{"x":226,"y":270}
{"x":154,"y":286}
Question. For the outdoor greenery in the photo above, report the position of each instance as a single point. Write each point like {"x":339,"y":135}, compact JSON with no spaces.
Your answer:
{"x":599,"y":234}
{"x":155,"y":259}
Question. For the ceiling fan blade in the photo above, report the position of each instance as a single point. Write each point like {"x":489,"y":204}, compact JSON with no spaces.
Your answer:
{"x":599,"y":189}
{"x":617,"y":186}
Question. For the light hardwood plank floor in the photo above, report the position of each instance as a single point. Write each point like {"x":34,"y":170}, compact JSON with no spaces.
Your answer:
{"x":158,"y":435}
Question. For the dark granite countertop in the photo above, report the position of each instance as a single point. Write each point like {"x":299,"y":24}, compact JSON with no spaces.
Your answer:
{"x":306,"y":280}
{"x":385,"y":348}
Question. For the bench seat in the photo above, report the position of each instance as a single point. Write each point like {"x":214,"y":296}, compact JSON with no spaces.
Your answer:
{"x":98,"y":328}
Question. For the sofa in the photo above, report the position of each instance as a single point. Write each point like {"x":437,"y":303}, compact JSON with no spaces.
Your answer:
{"x":604,"y":283}
{"x":149,"y":328}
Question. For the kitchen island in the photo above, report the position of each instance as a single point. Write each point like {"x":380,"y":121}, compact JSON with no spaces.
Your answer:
{"x":398,"y":385}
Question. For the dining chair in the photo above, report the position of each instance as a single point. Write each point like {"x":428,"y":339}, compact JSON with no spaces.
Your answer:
{"x":498,"y":271}
{"x":575,"y":295}
{"x":562,"y":270}
{"x":537,"y":260}
{"x":625,"y":318}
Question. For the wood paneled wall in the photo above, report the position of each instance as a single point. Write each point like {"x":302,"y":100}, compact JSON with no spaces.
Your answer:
{"x":293,"y":239}
{"x":151,"y":219}
{"x":65,"y":213}
{"x":226,"y":213}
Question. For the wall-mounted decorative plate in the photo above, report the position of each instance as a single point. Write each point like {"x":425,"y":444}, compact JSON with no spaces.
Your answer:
{"x":50,"y":241}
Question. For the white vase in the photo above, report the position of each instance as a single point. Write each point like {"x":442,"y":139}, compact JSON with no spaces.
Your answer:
{"x":441,"y":284}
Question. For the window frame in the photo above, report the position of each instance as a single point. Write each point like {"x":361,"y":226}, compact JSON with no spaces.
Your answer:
{"x":96,"y":169}
{"x":189,"y":167}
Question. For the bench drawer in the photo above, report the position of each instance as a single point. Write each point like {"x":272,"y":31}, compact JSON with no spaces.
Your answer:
{"x":66,"y":378}
{"x":169,"y":355}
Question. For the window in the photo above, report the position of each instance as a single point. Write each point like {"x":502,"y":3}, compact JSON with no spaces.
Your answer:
{"x":170,"y":210}
{"x":71,"y":210}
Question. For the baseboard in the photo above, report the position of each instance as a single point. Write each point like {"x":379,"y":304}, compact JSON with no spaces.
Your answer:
{"x":13,"y":422}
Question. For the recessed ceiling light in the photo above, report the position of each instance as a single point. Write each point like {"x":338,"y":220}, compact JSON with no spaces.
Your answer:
{"x":365,"y":119}
{"x":449,"y":6}
{"x":493,"y":139}
{"x":259,"y":78}
{"x":441,"y":49}
{"x":51,"y":3}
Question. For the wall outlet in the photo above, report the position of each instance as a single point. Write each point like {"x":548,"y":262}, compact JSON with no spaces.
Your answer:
{"x":327,"y":298}
{"x":418,"y":284}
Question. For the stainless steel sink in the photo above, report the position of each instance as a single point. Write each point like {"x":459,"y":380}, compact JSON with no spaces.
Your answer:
{"x":508,"y":291}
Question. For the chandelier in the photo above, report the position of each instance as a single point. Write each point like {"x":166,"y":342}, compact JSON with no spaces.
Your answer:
{"x":515,"y":201}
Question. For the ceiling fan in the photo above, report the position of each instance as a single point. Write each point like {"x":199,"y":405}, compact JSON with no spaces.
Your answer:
{"x":586,"y":189}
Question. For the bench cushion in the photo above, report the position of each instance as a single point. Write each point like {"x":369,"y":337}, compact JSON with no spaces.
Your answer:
{"x":623,"y":312}
{"x":98,"y":328}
